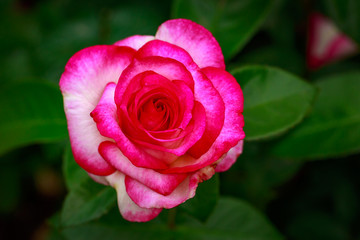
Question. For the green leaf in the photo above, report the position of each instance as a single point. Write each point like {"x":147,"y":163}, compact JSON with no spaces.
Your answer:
{"x":30,"y":112}
{"x":346,"y":14}
{"x":74,"y":175}
{"x":333,"y":128}
{"x":274,"y":100}
{"x":257,"y":176}
{"x":202,"y":205}
{"x":95,"y":231}
{"x":113,"y":227}
{"x":232,"y":219}
{"x":54,"y":223}
{"x":232,"y":22}
{"x":87,"y":202}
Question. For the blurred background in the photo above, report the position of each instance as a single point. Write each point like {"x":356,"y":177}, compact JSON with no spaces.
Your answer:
{"x":304,"y":199}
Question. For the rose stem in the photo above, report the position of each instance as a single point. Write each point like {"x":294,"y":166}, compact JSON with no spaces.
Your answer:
{"x":171,"y":218}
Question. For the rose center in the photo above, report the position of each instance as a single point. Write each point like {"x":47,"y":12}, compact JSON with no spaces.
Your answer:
{"x":154,"y":114}
{"x":158,"y":105}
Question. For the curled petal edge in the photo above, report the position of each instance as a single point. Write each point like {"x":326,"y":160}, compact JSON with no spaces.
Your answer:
{"x":128,"y":209}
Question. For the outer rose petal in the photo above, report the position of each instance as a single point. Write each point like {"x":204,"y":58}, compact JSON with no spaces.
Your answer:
{"x":207,"y":94}
{"x":135,"y":42}
{"x":128,"y":209}
{"x":104,"y":113}
{"x":326,"y":43}
{"x":168,"y":50}
{"x":85,"y":77}
{"x":147,"y":198}
{"x":99,"y":179}
{"x":195,"y":39}
{"x":162,"y":183}
{"x":230,"y":158}
{"x":232,"y":131}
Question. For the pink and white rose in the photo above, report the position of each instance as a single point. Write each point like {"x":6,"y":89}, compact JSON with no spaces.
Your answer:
{"x":153,"y":116}
{"x":326,"y":43}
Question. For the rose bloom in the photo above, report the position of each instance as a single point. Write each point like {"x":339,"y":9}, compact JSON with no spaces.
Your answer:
{"x":326,"y":43}
{"x":152,"y":116}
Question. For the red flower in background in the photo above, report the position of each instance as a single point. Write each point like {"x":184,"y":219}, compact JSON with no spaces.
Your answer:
{"x":326,"y":43}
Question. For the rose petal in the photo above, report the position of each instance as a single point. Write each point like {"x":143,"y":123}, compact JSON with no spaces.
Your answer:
{"x":99,"y":179}
{"x":128,"y":209}
{"x":195,"y":39}
{"x":230,"y":157}
{"x":326,"y":43}
{"x":167,"y":50}
{"x":135,"y":42}
{"x":232,"y":130}
{"x":147,"y":198}
{"x":105,"y":122}
{"x":82,"y":83}
{"x":105,"y":116}
{"x":161,"y":183}
{"x":210,"y":98}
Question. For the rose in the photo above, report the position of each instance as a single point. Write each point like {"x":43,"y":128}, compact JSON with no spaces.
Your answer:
{"x":326,"y":43}
{"x":153,"y":116}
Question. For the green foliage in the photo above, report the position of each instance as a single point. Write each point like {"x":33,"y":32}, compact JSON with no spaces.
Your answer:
{"x":285,"y":58}
{"x":115,"y":230}
{"x":202,"y":205}
{"x":9,"y":183}
{"x":333,"y":127}
{"x":314,"y":210}
{"x":144,"y":20}
{"x":256,"y":175}
{"x":74,"y":175}
{"x":274,"y":100}
{"x":232,"y":22}
{"x":30,"y":112}
{"x":88,"y":201}
{"x":292,"y":115}
{"x":235,"y":219}
{"x":346,"y":14}
{"x":231,"y":219}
